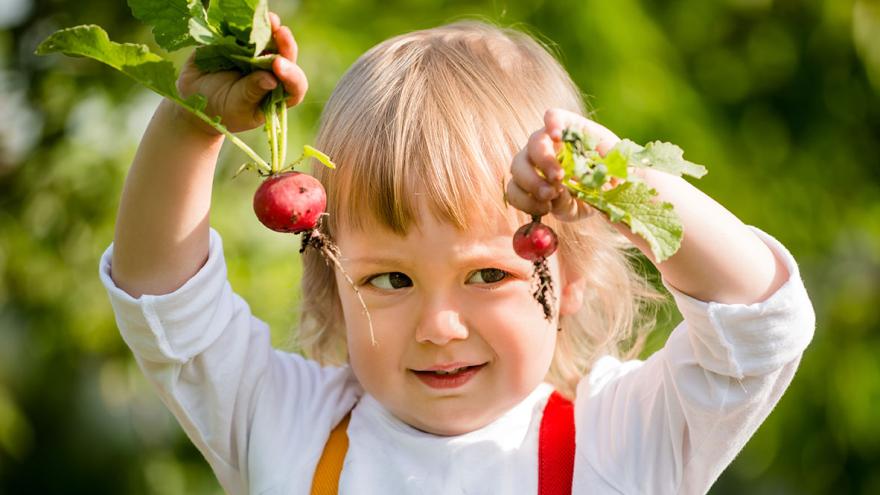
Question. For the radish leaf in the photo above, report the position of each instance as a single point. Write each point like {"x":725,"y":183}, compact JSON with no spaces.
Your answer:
{"x":632,"y":203}
{"x":139,"y":63}
{"x":247,"y":20}
{"x":169,"y":18}
{"x":231,"y":34}
{"x":658,"y":155}
{"x":587,"y":175}
{"x":318,"y":155}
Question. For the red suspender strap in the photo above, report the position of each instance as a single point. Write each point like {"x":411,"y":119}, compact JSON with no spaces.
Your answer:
{"x":556,"y":447}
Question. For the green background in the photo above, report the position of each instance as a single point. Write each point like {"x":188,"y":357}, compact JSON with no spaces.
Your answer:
{"x":778,"y":98}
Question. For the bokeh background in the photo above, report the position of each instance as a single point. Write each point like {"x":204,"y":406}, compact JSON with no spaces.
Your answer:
{"x":778,"y":97}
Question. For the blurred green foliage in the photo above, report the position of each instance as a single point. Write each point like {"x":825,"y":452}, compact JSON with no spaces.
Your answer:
{"x":778,"y":98}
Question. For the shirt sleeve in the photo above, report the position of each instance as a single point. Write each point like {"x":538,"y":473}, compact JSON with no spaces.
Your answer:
{"x":240,"y":401}
{"x":673,"y":423}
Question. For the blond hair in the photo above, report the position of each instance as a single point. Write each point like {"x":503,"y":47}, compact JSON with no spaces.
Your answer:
{"x":442,"y":111}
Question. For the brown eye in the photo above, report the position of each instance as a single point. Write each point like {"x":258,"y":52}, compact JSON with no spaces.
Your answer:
{"x":488,"y":276}
{"x":390,"y":281}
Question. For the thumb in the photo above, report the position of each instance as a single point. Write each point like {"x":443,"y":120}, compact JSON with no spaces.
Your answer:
{"x":252,"y":88}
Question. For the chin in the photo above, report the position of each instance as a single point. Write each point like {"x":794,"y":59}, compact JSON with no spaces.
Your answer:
{"x":446,"y":430}
{"x":452,"y":424}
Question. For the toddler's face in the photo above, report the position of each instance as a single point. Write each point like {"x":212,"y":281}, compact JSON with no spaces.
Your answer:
{"x":444,"y":299}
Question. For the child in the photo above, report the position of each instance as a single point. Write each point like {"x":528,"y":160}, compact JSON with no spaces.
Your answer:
{"x":466,"y":389}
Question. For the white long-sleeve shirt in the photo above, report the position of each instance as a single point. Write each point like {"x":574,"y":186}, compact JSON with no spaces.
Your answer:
{"x":261,"y":417}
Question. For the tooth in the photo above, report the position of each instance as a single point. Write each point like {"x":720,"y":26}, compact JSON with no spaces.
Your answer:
{"x":450,"y":372}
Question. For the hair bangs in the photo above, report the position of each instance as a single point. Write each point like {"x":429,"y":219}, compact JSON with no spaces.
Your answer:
{"x":439,"y":135}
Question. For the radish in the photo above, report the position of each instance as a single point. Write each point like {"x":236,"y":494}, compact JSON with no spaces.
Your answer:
{"x":290,"y":202}
{"x":535,"y":242}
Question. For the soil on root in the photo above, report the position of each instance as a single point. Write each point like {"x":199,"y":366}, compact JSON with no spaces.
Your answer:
{"x":542,"y":284}
{"x":322,"y":242}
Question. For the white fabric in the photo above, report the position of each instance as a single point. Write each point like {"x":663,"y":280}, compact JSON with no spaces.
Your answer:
{"x":261,"y":417}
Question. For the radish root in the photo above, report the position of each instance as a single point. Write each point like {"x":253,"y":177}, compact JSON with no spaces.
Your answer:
{"x":542,"y":283}
{"x":318,"y":240}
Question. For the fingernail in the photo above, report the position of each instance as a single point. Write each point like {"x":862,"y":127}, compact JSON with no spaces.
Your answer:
{"x":267,"y":83}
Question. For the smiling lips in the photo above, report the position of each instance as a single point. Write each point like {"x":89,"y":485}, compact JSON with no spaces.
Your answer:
{"x":449,"y":375}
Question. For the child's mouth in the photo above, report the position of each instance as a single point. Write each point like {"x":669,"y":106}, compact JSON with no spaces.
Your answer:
{"x":448,"y":379}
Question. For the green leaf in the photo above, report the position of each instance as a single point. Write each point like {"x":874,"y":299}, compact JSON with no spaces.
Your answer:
{"x":631,"y":203}
{"x":237,"y":16}
{"x":215,"y":17}
{"x":579,"y":159}
{"x":616,"y":164}
{"x":134,"y":60}
{"x":261,"y":27}
{"x":320,"y":156}
{"x":658,"y":155}
{"x":262,"y":62}
{"x":247,"y":21}
{"x":200,"y":27}
{"x":245,"y":166}
{"x":169,"y":18}
{"x":225,"y":54}
{"x":137,"y":62}
{"x":595,"y":177}
{"x":565,"y":157}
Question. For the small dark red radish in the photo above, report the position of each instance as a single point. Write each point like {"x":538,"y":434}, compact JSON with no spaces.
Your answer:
{"x":290,"y":202}
{"x":534,"y":241}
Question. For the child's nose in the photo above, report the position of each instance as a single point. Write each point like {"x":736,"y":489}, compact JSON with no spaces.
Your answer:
{"x":441,"y":327}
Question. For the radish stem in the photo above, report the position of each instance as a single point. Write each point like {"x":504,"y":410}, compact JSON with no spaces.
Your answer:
{"x":232,"y":137}
{"x":283,"y":105}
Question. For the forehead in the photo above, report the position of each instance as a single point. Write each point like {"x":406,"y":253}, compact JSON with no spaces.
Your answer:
{"x":483,"y":227}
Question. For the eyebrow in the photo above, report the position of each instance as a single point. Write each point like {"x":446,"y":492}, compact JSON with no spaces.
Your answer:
{"x":465,"y":260}
{"x":375,"y":260}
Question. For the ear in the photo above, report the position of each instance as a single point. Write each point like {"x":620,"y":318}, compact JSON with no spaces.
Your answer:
{"x":572,"y":297}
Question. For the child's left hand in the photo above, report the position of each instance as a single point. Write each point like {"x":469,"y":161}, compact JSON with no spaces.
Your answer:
{"x":535,"y":194}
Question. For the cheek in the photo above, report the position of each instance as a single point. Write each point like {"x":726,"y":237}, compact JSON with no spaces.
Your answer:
{"x":520,"y":337}
{"x":370,"y":362}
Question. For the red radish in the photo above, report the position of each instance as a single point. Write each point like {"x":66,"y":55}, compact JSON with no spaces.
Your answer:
{"x":534,"y":241}
{"x":294,"y":202}
{"x":290,"y":202}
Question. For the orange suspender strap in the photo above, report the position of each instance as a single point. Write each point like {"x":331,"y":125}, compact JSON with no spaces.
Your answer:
{"x":556,"y":447}
{"x":555,"y":451}
{"x":326,"y":480}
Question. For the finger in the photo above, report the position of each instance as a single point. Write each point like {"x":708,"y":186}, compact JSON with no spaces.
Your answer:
{"x":567,"y":208}
{"x":542,"y":152}
{"x":293,"y":78}
{"x":526,"y":177}
{"x":521,"y":200}
{"x":253,"y":87}
{"x":607,"y":139}
{"x":556,"y":119}
{"x":274,"y":21}
{"x":287,"y":46}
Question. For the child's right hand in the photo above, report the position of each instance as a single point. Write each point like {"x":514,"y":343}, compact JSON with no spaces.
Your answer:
{"x":235,"y":98}
{"x":542,"y":194}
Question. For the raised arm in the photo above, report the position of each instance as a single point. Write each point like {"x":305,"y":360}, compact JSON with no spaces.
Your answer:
{"x":162,"y":226}
{"x":691,"y":406}
{"x":720,"y":259}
